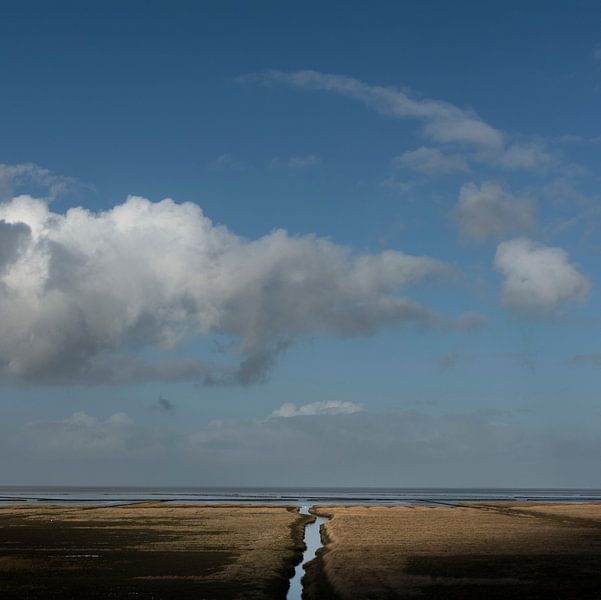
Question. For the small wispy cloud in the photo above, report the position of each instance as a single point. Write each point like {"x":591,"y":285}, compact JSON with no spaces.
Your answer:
{"x":227,"y":162}
{"x":471,"y":322}
{"x":578,"y":139}
{"x":586,"y":359}
{"x":448,"y":361}
{"x":442,"y":122}
{"x":490,"y":210}
{"x":398,"y":185}
{"x":528,"y":155}
{"x":15,"y":179}
{"x":329,"y":407}
{"x":164,"y":405}
{"x":295,"y":163}
{"x":431,"y":161}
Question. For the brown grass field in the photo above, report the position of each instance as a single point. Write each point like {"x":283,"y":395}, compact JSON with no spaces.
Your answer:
{"x":475,"y":551}
{"x":160,"y":551}
{"x":148,"y":551}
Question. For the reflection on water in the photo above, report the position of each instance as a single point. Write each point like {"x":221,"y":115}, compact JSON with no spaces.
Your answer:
{"x":313,"y":543}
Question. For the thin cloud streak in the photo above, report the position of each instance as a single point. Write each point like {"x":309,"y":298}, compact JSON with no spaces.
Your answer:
{"x":442,"y":122}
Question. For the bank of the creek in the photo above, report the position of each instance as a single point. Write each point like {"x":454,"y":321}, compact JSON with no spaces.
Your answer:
{"x":313,"y":543}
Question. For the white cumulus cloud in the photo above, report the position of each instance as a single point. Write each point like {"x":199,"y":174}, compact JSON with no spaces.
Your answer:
{"x":82,"y":293}
{"x":538,"y":277}
{"x":492,"y":211}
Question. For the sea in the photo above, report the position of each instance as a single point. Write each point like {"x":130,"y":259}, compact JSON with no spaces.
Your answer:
{"x":114,"y":496}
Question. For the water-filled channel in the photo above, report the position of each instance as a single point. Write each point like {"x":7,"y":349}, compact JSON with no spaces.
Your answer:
{"x":313,"y":544}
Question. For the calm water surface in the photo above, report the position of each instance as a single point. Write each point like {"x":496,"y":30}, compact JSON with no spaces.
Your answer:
{"x":289,"y":495}
{"x":313,"y":543}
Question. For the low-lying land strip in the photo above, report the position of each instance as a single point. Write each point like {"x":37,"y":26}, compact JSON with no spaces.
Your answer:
{"x":473,"y":551}
{"x":162,"y":551}
{"x":148,"y":551}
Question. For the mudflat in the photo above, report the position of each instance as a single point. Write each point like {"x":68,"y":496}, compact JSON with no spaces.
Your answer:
{"x":148,"y":551}
{"x":473,"y":551}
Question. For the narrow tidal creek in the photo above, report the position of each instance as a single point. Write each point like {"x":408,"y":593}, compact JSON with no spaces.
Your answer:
{"x":313,"y":544}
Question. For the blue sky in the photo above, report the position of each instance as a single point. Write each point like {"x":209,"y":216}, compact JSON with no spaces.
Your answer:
{"x":433,"y":305}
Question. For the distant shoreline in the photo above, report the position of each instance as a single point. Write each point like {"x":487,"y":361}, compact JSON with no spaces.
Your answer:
{"x":273,"y":496}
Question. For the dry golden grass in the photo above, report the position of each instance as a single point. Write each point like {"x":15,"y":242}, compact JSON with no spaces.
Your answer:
{"x":505,"y":550}
{"x":148,"y":551}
